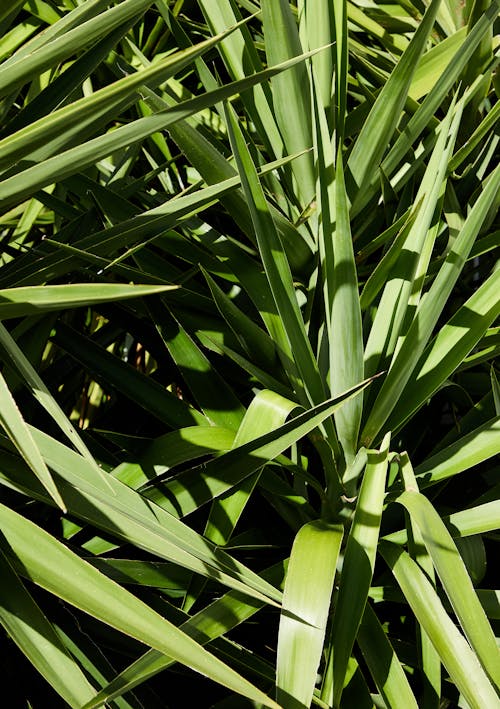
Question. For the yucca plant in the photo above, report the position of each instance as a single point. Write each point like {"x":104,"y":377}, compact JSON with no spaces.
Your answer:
{"x":249,"y":301}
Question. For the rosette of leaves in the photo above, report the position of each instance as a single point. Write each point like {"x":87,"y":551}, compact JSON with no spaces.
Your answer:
{"x":249,"y":327}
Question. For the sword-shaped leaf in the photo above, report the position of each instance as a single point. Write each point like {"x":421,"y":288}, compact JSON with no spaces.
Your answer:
{"x":455,"y":653}
{"x":357,"y":572}
{"x":16,"y":428}
{"x":31,"y":630}
{"x":52,"y":566}
{"x":16,"y":302}
{"x":455,"y":579}
{"x":306,"y":603}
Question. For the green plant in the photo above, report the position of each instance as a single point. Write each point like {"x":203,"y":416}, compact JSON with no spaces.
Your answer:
{"x":249,"y":400}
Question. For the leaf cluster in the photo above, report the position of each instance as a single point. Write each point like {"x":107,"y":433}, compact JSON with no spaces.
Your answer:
{"x":249,"y":300}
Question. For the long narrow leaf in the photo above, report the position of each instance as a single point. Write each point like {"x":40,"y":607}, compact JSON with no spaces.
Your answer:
{"x":306,"y":602}
{"x":383,"y":662}
{"x":16,"y":428}
{"x":128,"y":516}
{"x":34,"y":634}
{"x":346,"y":351}
{"x":429,"y":661}
{"x":456,"y":654}
{"x":21,"y":363}
{"x":290,"y":91}
{"x":209,"y":623}
{"x":478,"y":445}
{"x":357,"y":571}
{"x":15,"y":302}
{"x":276,"y":266}
{"x":455,"y":579}
{"x":55,"y":568}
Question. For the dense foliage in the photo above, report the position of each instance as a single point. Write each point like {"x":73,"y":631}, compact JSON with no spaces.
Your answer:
{"x":249,"y":307}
